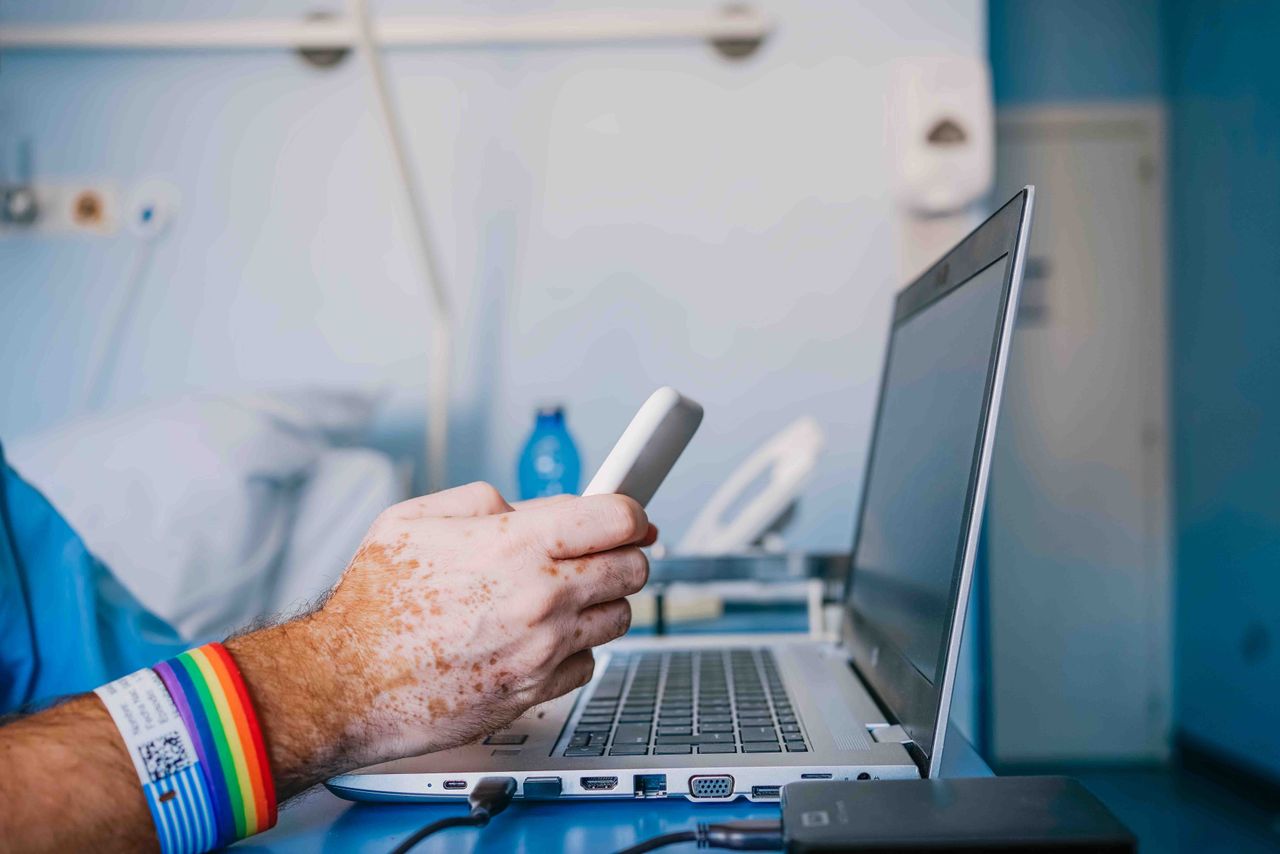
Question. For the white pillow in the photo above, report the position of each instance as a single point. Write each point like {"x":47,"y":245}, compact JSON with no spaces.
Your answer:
{"x":190,"y":502}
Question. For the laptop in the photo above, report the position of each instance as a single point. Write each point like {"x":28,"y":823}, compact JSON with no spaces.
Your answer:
{"x":721,"y":717}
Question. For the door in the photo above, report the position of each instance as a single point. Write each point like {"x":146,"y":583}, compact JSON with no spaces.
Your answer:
{"x":1077,"y":562}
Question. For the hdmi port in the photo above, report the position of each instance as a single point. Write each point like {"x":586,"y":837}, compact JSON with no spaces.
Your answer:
{"x":598,"y":784}
{"x":765,"y":791}
{"x":455,"y":784}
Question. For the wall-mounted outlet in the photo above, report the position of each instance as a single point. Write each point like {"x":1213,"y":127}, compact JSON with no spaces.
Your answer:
{"x":90,"y":208}
{"x":152,"y":206}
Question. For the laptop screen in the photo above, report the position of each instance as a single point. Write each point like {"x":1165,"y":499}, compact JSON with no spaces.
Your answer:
{"x":926,"y":474}
{"x":928,"y":428}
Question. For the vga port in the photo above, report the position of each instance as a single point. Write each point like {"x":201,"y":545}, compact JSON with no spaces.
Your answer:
{"x":711,"y":786}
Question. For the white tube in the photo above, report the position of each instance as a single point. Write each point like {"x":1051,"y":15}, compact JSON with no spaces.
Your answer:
{"x":420,"y":30}
{"x":440,"y":370}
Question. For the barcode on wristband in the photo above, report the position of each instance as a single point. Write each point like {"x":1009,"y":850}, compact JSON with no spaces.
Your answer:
{"x":164,"y":755}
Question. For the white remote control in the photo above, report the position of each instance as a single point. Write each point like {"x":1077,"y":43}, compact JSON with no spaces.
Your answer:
{"x":649,"y":447}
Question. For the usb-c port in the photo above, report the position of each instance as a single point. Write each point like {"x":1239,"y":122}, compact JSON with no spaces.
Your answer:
{"x":455,"y":784}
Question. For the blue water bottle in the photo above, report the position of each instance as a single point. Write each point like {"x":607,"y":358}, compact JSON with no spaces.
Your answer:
{"x":549,"y":464}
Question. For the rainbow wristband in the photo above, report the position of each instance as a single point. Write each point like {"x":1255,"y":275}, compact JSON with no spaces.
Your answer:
{"x":212,"y":700}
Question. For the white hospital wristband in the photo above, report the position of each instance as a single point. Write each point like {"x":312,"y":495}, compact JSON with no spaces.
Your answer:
{"x":165,"y":760}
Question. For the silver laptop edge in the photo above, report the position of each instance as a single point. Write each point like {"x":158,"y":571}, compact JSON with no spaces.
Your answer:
{"x":838,"y":691}
{"x":980,"y":493}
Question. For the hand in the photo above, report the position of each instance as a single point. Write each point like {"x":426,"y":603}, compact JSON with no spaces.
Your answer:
{"x":456,"y":615}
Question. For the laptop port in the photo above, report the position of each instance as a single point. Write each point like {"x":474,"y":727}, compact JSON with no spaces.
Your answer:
{"x":651,"y":785}
{"x":766,"y":792}
{"x":543,"y":788}
{"x":455,"y":784}
{"x":711,"y":786}
{"x":599,"y":784}
{"x":815,"y":776}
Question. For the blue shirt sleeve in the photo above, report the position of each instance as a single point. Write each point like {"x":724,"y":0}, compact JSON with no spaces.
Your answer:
{"x":66,"y":624}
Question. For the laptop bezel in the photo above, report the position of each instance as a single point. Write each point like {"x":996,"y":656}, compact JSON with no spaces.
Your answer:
{"x":921,"y":707}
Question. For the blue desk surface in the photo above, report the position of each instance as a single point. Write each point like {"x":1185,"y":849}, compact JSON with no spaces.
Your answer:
{"x":322,"y":822}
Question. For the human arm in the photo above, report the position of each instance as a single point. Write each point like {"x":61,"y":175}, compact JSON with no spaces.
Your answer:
{"x":454,"y":617}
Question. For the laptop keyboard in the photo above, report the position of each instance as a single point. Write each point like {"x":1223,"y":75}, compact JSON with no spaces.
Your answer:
{"x":697,"y":701}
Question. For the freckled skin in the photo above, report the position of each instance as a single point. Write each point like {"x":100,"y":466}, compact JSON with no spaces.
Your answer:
{"x":459,"y":612}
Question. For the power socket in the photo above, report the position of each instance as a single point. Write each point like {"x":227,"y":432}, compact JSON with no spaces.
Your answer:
{"x":72,"y":208}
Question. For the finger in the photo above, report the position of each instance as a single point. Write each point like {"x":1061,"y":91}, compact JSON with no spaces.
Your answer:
{"x":608,"y":576}
{"x":574,"y":672}
{"x":586,"y":526}
{"x":533,"y":503}
{"x":473,"y":499}
{"x":650,"y":537}
{"x":602,"y":623}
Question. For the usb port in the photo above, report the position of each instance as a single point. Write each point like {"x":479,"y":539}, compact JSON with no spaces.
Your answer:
{"x":599,"y":784}
{"x":815,"y":776}
{"x":766,"y":792}
{"x":455,"y":784}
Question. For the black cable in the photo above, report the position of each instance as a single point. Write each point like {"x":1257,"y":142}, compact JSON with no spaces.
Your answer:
{"x":746,"y":835}
{"x":661,"y":842}
{"x":423,"y":832}
{"x":489,"y":797}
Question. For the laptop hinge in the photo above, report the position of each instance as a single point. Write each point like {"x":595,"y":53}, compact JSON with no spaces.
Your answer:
{"x":889,"y":734}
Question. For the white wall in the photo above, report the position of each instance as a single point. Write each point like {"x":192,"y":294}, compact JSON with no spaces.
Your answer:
{"x":610,"y":219}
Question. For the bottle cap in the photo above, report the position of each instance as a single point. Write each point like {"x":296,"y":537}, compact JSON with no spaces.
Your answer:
{"x":550,"y":410}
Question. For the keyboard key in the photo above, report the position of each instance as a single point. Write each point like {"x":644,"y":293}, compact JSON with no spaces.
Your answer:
{"x":758,"y":733}
{"x":584,"y":751}
{"x":717,"y":748}
{"x":797,"y":747}
{"x":629,"y":750}
{"x":724,"y":727}
{"x":508,"y":738}
{"x":666,"y":749}
{"x":631,"y":734}
{"x":705,"y":738}
{"x":674,"y":730}
{"x":756,"y":722}
{"x":761,"y":747}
